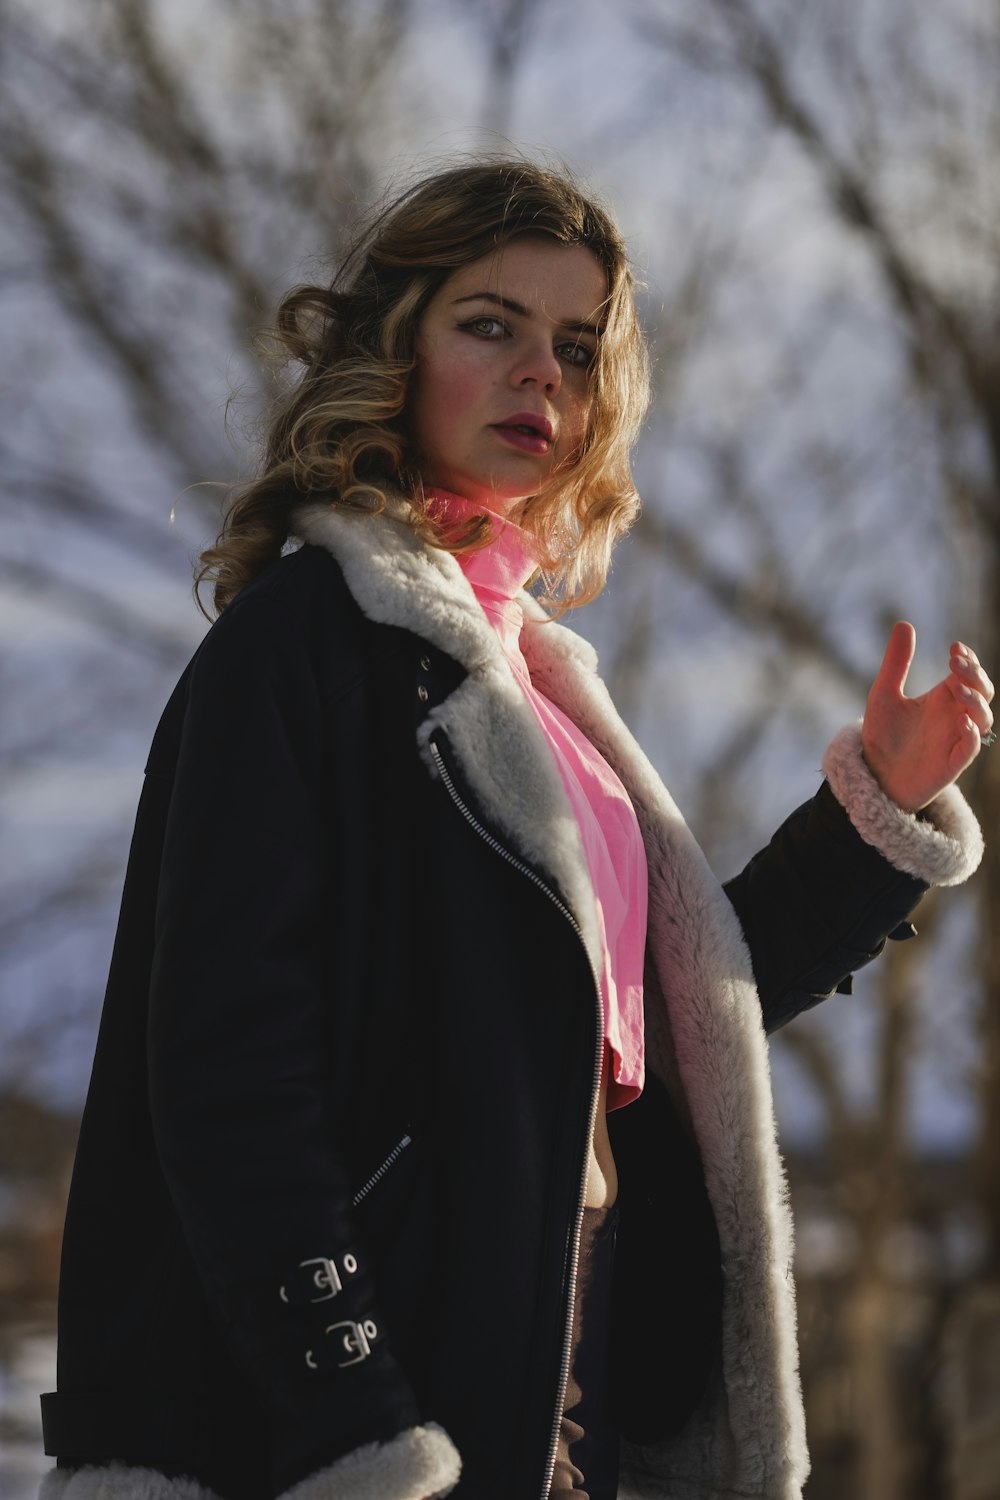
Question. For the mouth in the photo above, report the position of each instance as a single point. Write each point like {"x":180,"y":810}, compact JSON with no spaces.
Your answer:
{"x":527,"y":431}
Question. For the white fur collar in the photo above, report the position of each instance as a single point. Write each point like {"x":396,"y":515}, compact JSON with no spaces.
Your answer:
{"x":397,"y":580}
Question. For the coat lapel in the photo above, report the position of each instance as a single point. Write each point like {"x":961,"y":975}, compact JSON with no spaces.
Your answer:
{"x":704,"y":1035}
{"x":492,"y":730}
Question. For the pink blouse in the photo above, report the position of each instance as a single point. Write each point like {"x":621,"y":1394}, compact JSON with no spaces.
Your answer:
{"x":611,"y":839}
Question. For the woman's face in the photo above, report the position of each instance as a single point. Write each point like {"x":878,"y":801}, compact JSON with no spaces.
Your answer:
{"x":501,"y":393}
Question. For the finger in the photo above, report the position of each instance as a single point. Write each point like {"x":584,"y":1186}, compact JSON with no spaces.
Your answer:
{"x":965,"y":650}
{"x":973,"y":702}
{"x":897,"y":659}
{"x":965,"y":749}
{"x":972,"y":672}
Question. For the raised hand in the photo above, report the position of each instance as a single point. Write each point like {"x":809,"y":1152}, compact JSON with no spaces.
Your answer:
{"x":915,"y":747}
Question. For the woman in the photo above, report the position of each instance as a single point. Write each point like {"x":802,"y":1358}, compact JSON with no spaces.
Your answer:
{"x":398,"y":1175}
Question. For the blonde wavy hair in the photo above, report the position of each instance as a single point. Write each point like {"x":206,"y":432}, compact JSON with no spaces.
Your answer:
{"x":339,"y":429}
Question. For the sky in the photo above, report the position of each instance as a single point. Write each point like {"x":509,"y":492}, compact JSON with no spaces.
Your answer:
{"x":796,"y":348}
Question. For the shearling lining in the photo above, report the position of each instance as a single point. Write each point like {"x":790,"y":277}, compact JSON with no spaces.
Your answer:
{"x":417,"y":1465}
{"x":713,"y":1037}
{"x":942,"y":847}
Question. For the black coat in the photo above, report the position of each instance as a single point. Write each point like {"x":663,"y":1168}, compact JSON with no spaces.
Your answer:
{"x":346,"y":1071}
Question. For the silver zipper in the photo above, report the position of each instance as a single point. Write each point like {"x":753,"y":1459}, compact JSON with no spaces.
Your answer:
{"x":574,"y":1260}
{"x":380,"y":1172}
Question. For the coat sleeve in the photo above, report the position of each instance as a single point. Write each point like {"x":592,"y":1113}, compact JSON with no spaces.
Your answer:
{"x":842,"y":874}
{"x":240,"y":1034}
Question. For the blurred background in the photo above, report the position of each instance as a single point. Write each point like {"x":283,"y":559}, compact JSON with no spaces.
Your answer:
{"x":811,"y":193}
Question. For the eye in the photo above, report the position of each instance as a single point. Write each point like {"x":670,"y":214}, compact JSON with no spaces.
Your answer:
{"x":580,"y":355}
{"x":484,"y":327}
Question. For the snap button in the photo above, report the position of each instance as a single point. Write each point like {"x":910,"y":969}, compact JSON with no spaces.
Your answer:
{"x":425,"y":662}
{"x":422,"y":693}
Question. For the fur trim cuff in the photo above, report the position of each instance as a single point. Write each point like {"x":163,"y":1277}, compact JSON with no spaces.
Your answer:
{"x":943,"y":846}
{"x":417,"y":1465}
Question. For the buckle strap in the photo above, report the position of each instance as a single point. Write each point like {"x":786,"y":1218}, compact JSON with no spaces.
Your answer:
{"x":319,"y":1274}
{"x":356,"y":1340}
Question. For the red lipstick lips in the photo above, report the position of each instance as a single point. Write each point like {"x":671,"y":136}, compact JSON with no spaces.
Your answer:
{"x":527,"y":430}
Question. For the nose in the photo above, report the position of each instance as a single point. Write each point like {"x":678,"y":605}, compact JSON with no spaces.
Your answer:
{"x":538,"y":365}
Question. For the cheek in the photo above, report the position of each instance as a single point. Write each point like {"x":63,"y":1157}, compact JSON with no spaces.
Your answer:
{"x":449,"y":394}
{"x":459,"y":391}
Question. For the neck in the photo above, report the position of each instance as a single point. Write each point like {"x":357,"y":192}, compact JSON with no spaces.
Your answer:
{"x":498,"y":571}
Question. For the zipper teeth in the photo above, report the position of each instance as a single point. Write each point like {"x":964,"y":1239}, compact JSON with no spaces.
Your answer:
{"x":500,"y":848}
{"x":380,"y":1172}
{"x":574,"y":1262}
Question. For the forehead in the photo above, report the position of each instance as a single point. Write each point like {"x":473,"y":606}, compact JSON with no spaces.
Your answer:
{"x":564,"y":283}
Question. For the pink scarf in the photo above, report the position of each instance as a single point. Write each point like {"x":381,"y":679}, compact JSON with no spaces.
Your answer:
{"x":611,"y":839}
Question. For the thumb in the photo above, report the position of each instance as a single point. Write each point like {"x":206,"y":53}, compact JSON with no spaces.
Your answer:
{"x":897,"y":659}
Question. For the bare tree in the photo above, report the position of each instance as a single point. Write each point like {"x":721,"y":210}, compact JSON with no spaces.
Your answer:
{"x":161,"y":179}
{"x":823,"y":272}
{"x":894,"y":146}
{"x":164,"y":174}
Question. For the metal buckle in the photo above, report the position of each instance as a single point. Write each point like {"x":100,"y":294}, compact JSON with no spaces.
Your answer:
{"x":325,"y":1275}
{"x":357,"y":1342}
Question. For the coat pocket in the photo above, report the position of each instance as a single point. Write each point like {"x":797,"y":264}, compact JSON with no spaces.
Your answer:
{"x":393,"y":1203}
{"x":371,"y":1183}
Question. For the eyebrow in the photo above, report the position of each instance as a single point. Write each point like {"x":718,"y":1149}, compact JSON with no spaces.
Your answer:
{"x":524,"y":312}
